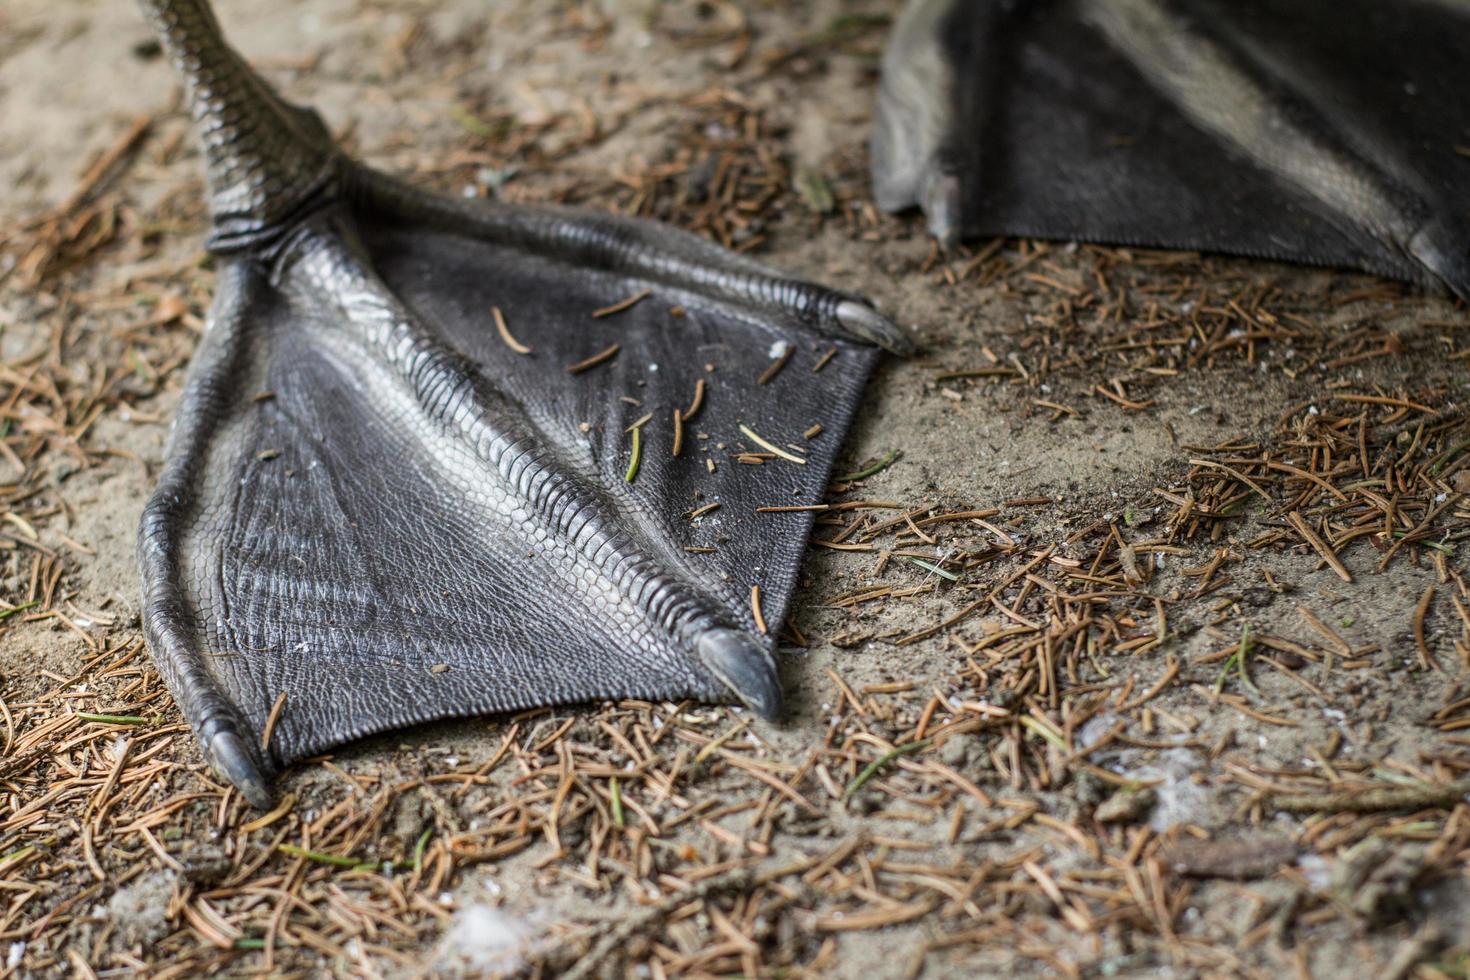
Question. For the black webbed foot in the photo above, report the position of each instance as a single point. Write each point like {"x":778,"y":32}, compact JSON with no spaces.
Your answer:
{"x":1319,"y":131}
{"x":441,"y":457}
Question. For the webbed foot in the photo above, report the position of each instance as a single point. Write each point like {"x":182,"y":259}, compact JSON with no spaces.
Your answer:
{"x":440,"y":457}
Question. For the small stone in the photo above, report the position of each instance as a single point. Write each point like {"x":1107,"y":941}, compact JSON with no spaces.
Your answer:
{"x":1244,"y":859}
{"x":955,"y":751}
{"x":1290,"y":661}
{"x":1258,"y":596}
{"x":205,"y":864}
{"x":1127,"y":806}
{"x":979,"y":831}
{"x":1087,"y":789}
{"x":63,"y":470}
{"x":139,"y":910}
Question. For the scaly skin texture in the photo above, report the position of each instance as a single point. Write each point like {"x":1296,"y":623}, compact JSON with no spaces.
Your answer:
{"x":264,"y":160}
{"x":1320,"y":131}
{"x":376,"y":513}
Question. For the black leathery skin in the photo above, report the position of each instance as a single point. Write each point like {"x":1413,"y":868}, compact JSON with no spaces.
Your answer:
{"x":375,"y":513}
{"x":1317,"y":131}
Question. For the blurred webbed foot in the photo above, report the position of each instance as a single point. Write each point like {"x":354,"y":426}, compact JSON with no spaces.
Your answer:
{"x":1317,"y":131}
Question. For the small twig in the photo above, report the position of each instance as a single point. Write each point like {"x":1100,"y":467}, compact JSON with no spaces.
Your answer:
{"x":114,"y":719}
{"x":872,"y":768}
{"x":505,"y":334}
{"x":755,"y":608}
{"x":637,"y":455}
{"x":872,"y":470}
{"x":1426,"y":657}
{"x":270,"y":722}
{"x":600,"y":357}
{"x":1373,"y":800}
{"x":770,"y":446}
{"x":697,"y":403}
{"x":320,"y":857}
{"x":1318,"y":545}
{"x":774,"y":368}
{"x":622,"y":305}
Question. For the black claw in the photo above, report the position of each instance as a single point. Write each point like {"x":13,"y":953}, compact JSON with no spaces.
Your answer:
{"x":233,"y":760}
{"x":739,"y":659}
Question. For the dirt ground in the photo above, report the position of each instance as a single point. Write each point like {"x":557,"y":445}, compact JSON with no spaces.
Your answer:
{"x":1148,"y":655}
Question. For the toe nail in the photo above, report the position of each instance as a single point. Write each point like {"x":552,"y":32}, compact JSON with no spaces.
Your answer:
{"x":867,"y":323}
{"x":743,"y":663}
{"x":235,"y":763}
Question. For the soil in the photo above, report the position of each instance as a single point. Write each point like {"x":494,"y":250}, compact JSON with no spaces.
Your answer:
{"x":1070,"y":434}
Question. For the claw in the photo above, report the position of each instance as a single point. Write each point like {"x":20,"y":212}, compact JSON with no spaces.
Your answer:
{"x":866,"y":323}
{"x":234,"y":761}
{"x":740,"y":661}
{"x":943,"y":206}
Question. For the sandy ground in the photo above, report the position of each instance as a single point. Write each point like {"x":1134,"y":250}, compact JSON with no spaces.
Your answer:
{"x":1015,"y":834}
